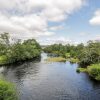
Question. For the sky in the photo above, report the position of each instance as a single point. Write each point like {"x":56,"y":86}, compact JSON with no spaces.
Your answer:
{"x":51,"y":21}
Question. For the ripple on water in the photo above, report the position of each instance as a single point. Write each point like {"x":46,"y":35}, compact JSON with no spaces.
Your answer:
{"x":51,"y":81}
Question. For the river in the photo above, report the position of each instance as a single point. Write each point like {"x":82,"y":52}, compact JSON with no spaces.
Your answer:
{"x":39,"y":80}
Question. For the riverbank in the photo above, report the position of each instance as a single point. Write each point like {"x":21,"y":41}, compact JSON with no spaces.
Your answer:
{"x":7,"y":91}
{"x":92,"y":70}
{"x":51,"y":81}
{"x":84,"y":55}
{"x":56,"y":59}
{"x":18,"y":51}
{"x":4,"y":62}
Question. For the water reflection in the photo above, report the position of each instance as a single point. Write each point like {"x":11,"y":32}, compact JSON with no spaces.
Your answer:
{"x":51,"y":81}
{"x":19,"y":71}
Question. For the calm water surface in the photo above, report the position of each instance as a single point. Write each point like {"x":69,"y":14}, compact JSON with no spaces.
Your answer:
{"x":51,"y":81}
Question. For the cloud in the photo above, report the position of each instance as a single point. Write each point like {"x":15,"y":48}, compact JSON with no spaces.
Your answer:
{"x":83,"y":34}
{"x":97,"y":37}
{"x":56,"y":40}
{"x":24,"y":26}
{"x":54,"y":28}
{"x":30,"y":18}
{"x":95,"y":20}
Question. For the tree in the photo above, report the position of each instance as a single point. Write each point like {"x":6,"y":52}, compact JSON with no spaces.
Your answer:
{"x":18,"y":51}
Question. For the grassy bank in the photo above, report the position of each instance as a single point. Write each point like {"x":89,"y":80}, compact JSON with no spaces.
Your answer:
{"x":7,"y":91}
{"x":93,"y":71}
{"x":62,"y":59}
{"x":56,"y":59}
{"x":5,"y":61}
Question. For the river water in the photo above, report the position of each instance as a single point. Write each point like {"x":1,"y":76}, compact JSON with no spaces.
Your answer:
{"x":51,"y":81}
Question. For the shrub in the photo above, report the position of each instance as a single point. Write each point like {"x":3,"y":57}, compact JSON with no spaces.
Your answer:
{"x":94,"y":71}
{"x":7,"y":91}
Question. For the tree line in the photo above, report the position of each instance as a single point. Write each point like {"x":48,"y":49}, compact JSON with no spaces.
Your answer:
{"x":87,"y":54}
{"x":17,"y":51}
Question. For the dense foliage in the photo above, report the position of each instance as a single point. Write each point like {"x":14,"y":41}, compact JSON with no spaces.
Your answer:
{"x":17,"y":51}
{"x":7,"y":91}
{"x":94,"y":71}
{"x":90,"y":54}
{"x":64,"y":50}
{"x":87,"y":54}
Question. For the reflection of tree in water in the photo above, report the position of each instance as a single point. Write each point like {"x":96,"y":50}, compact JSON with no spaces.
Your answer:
{"x":95,"y":84}
{"x":17,"y":73}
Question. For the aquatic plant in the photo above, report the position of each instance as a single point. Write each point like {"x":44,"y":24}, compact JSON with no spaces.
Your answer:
{"x":56,"y":59}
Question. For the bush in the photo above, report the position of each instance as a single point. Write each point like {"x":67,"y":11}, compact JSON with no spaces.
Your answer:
{"x":7,"y":91}
{"x":94,"y":71}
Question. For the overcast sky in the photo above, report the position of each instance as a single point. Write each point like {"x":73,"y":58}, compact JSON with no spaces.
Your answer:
{"x":51,"y":21}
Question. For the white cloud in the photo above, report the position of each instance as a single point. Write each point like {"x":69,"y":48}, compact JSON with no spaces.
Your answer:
{"x":54,"y":28}
{"x":56,"y":40}
{"x":29,"y":18}
{"x":96,"y":18}
{"x":83,"y":34}
{"x":97,"y":37}
{"x":24,"y":26}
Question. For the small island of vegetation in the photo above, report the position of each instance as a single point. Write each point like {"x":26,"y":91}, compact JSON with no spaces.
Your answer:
{"x":56,"y":59}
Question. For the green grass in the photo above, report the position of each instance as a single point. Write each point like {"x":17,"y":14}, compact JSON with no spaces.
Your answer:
{"x":56,"y":59}
{"x":7,"y":91}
